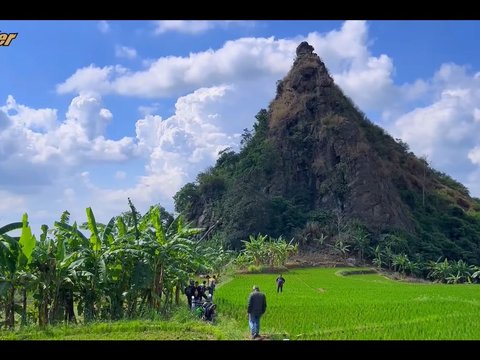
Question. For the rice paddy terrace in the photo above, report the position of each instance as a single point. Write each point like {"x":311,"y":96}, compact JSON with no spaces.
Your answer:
{"x":324,"y":304}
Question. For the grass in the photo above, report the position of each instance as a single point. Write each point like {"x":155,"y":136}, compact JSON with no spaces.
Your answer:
{"x":120,"y":330}
{"x":323,"y":304}
{"x":182,"y":326}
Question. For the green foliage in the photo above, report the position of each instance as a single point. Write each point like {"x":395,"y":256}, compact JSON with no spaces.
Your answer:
{"x":211,"y":186}
{"x":92,"y":225}
{"x":266,"y":251}
{"x":255,"y":269}
{"x":443,"y":229}
{"x":27,"y":239}
{"x":136,"y":264}
{"x":233,"y":193}
{"x":186,"y":198}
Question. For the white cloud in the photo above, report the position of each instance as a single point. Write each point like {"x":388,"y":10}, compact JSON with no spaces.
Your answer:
{"x":185,"y":142}
{"x":35,"y":137}
{"x":447,"y":128}
{"x":244,"y":59}
{"x":125,"y":52}
{"x":247,"y":59}
{"x":174,"y":151}
{"x":345,"y":51}
{"x":20,"y":115}
{"x":183,"y":26}
{"x":86,"y":111}
{"x":89,"y":78}
{"x":103,"y":26}
{"x":92,"y":80}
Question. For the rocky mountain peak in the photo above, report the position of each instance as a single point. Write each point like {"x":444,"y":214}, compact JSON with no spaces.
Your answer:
{"x":323,"y":145}
{"x":304,"y":49}
{"x":305,"y":88}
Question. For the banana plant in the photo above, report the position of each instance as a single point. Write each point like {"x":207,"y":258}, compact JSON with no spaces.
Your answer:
{"x":255,"y":247}
{"x":169,"y":251}
{"x":15,"y":257}
{"x":89,"y":262}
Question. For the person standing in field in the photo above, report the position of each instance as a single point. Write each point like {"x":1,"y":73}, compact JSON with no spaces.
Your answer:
{"x":280,"y":281}
{"x":257,"y":305}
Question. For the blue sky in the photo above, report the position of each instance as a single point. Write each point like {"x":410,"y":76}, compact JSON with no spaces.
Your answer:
{"x":93,"y":112}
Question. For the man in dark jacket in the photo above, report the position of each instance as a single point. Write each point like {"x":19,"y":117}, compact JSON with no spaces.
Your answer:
{"x":257,"y":305}
{"x":189,"y":292}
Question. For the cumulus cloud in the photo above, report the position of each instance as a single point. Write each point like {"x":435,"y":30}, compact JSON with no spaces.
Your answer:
{"x":345,"y":51}
{"x":23,"y":116}
{"x":447,"y":128}
{"x":90,"y":79}
{"x":125,"y":52}
{"x":41,"y":155}
{"x":173,"y":150}
{"x":34,"y":136}
{"x":247,"y":59}
{"x":182,"y":144}
{"x":239,"y":60}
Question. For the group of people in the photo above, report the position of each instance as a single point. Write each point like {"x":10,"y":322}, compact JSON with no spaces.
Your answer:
{"x":196,"y":292}
{"x":198,"y":301}
{"x":257,"y":305}
{"x":197,"y":298}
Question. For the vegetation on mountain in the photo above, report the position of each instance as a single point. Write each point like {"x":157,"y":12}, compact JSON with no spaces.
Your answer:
{"x":314,"y":167}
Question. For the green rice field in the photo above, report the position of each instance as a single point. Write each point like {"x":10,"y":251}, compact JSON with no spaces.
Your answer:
{"x":321,"y":303}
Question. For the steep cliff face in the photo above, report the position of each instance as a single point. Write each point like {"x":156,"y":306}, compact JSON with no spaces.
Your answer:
{"x":323,"y":147}
{"x":315,"y":158}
